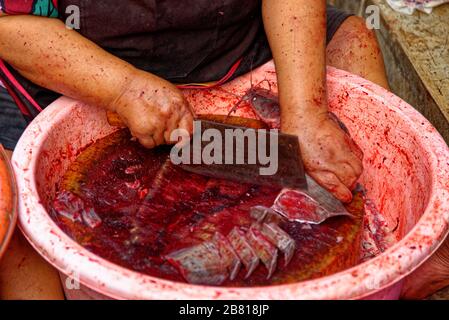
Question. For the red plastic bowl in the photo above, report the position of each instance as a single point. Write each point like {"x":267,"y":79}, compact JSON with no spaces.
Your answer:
{"x":406,"y":175}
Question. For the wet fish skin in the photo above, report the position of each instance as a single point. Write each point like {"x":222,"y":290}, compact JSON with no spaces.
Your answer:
{"x":246,"y":253}
{"x":281,"y":239}
{"x":200,"y":264}
{"x":265,"y":250}
{"x":228,"y":255}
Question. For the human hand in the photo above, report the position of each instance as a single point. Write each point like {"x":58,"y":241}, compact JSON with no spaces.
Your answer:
{"x":329,"y":154}
{"x":152,"y":108}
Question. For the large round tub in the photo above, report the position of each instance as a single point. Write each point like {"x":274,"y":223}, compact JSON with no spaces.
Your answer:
{"x":406,"y":175}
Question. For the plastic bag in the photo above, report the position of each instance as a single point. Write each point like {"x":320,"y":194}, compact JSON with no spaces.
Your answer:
{"x":409,"y":6}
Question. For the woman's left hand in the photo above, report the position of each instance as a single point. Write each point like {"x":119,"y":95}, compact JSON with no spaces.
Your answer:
{"x":330,"y":156}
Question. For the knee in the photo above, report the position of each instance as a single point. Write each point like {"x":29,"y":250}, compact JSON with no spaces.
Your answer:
{"x":354,"y":48}
{"x":358,"y":25}
{"x":354,"y":33}
{"x":354,"y":38}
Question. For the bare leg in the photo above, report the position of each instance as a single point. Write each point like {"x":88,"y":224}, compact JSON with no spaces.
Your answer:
{"x":354,"y":48}
{"x":25,"y":275}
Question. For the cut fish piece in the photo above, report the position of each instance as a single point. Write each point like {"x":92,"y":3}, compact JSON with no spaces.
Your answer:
{"x":259,"y":213}
{"x":200,"y":264}
{"x":91,"y":218}
{"x":300,"y":206}
{"x":228,"y":255}
{"x":71,"y":206}
{"x":281,"y":239}
{"x":264,"y":249}
{"x":244,"y":250}
{"x":265,"y":214}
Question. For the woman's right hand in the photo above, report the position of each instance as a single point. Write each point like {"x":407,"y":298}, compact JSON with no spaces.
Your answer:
{"x":152,"y":108}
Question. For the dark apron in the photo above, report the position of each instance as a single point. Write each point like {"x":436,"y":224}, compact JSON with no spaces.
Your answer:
{"x":181,"y":41}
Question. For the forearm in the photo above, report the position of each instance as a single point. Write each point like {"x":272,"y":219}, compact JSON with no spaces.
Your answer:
{"x":44,"y":51}
{"x":296,"y":31}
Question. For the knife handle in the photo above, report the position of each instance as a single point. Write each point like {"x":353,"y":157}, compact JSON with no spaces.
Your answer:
{"x":115,"y":120}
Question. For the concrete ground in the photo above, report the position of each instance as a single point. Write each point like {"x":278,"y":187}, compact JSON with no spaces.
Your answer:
{"x":416,"y":52}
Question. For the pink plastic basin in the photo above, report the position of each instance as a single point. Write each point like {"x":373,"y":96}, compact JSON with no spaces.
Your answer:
{"x":406,"y":174}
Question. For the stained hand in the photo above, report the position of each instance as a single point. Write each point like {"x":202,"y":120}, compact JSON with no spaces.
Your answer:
{"x":330,"y":156}
{"x":152,"y":108}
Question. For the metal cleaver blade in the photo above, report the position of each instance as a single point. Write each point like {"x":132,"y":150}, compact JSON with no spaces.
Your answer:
{"x":242,"y":154}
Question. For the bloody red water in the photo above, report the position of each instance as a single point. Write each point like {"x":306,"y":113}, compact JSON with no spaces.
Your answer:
{"x":131,"y":206}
